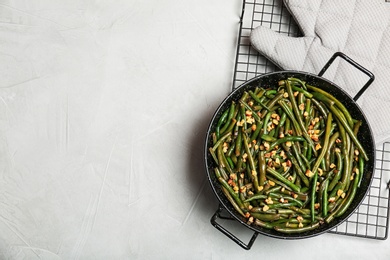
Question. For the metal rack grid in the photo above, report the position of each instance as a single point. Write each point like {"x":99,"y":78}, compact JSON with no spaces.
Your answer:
{"x":371,"y":219}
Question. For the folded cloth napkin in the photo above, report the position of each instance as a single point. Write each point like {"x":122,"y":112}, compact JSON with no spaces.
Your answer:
{"x":358,"y":28}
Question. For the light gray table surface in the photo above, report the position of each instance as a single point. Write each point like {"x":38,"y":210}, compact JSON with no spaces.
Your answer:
{"x":104,"y":107}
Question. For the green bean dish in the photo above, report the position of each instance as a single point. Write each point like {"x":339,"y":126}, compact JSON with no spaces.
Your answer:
{"x":288,"y":157}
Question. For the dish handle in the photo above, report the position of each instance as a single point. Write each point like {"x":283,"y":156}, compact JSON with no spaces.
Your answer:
{"x":227,"y":233}
{"x":356,"y":65}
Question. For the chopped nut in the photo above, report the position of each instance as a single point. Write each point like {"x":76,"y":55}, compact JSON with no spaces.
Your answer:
{"x":266,"y":145}
{"x":271,"y":183}
{"x":253,"y":128}
{"x":296,"y":93}
{"x":357,"y":171}
{"x":318,"y":147}
{"x":332,"y":199}
{"x":254,"y":173}
{"x":309,"y":173}
{"x":250,"y":221}
{"x":338,"y":140}
{"x":317,"y":205}
{"x":265,"y":208}
{"x":320,"y":172}
{"x":295,"y":196}
{"x":277,"y":161}
{"x":305,"y":114}
{"x":289,"y":163}
{"x":290,"y":178}
{"x":315,"y":138}
{"x":250,"y":103}
{"x":288,"y":144}
{"x":256,"y":147}
{"x":337,"y":150}
{"x":339,"y":192}
{"x":225,"y":147}
{"x":247,"y":215}
{"x":274,"y":121}
{"x":332,"y":165}
{"x":260,"y":188}
{"x":262,"y":147}
{"x":343,"y":195}
{"x":250,"y":120}
{"x":245,"y":155}
{"x":242,"y":176}
{"x":248,"y":113}
{"x":302,"y":107}
{"x":243,"y":189}
{"x":269,"y":200}
{"x":299,"y":218}
{"x":281,"y":200}
{"x":285,"y":95}
{"x":250,"y":207}
{"x":233,"y":176}
{"x":300,"y":224}
{"x":236,"y":189}
{"x":281,"y":135}
{"x":356,"y":152}
{"x":282,"y":189}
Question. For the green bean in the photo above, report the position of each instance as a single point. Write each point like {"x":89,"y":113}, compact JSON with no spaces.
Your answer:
{"x":304,"y":92}
{"x":282,"y":179}
{"x":338,"y":170}
{"x":361,"y":169}
{"x":349,"y":130}
{"x":288,"y":198}
{"x":297,"y":156}
{"x":257,"y":99}
{"x":325,"y":144}
{"x":290,"y":114}
{"x":256,"y":197}
{"x":320,"y":107}
{"x":286,"y":139}
{"x":335,"y":101}
{"x":313,"y":195}
{"x":221,"y":120}
{"x":297,"y":230}
{"x":348,"y":199}
{"x":301,"y":174}
{"x":262,"y":224}
{"x":232,"y":201}
{"x":222,"y":159}
{"x":238,"y":142}
{"x":266,"y":217}
{"x":230,"y":190}
{"x":298,"y":116}
{"x":332,"y":140}
{"x":229,"y":118}
{"x":221,"y":140}
{"x":251,"y":163}
{"x":257,"y":131}
{"x":254,"y":114}
{"x":262,"y":168}
{"x":324,"y":202}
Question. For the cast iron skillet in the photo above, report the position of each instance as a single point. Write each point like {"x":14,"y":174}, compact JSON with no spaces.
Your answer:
{"x":365,"y":136}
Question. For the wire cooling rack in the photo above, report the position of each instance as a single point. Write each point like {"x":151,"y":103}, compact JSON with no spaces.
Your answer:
{"x":371,"y":219}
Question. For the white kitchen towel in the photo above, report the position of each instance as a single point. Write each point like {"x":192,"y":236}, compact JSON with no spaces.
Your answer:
{"x":358,"y":28}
